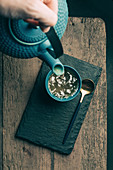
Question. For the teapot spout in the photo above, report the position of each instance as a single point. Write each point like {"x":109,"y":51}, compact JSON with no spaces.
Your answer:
{"x":55,"y":64}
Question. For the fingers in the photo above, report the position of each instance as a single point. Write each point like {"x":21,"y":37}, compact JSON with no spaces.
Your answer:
{"x":34,"y":22}
{"x":45,"y":14}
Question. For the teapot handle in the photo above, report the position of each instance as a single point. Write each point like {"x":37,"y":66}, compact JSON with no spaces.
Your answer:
{"x":55,"y":42}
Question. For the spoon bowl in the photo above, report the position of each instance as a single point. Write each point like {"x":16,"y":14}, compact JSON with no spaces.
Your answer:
{"x":87,"y":88}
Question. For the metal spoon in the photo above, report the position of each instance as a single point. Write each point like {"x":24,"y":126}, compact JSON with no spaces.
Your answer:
{"x":87,"y":88}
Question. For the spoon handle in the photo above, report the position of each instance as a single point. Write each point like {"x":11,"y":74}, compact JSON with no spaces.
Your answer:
{"x":71,"y":122}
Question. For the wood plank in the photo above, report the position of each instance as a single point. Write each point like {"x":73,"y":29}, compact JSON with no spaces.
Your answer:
{"x":1,"y":108}
{"x":85,"y":38}
{"x":19,"y":78}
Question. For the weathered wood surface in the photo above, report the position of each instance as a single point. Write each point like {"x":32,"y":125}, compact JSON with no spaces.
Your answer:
{"x":85,"y":38}
{"x":1,"y":107}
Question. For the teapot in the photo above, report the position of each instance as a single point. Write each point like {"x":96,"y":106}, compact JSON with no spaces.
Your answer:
{"x":23,"y":40}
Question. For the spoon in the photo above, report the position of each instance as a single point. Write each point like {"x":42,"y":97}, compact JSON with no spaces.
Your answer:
{"x":87,"y":88}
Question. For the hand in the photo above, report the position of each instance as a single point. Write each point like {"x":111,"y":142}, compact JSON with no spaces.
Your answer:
{"x":38,"y":12}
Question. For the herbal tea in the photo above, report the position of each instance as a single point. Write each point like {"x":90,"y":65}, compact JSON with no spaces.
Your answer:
{"x":63,"y":86}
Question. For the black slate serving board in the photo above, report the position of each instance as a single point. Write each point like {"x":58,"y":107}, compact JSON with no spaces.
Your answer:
{"x":45,"y":120}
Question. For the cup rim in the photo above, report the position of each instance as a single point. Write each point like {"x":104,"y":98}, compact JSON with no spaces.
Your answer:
{"x":64,"y":99}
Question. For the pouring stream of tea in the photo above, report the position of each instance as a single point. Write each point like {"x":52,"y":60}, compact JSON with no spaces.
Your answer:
{"x":87,"y":88}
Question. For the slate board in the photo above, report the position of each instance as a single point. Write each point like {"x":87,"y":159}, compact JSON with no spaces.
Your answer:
{"x":45,"y":120}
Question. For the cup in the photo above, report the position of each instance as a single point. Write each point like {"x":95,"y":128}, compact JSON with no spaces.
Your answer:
{"x":78,"y":87}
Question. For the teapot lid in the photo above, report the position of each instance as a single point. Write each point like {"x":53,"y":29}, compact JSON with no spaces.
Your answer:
{"x":21,"y":40}
{"x":25,"y":33}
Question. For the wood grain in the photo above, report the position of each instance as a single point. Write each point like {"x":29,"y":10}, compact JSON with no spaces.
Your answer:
{"x":19,"y":78}
{"x":85,"y":39}
{"x":1,"y":108}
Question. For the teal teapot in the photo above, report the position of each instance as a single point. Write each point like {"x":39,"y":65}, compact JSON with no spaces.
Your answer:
{"x":22,"y":40}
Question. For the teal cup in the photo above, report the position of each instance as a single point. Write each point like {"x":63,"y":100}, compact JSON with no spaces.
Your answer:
{"x":79,"y":84}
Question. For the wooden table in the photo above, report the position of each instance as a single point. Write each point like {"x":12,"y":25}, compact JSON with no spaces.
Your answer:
{"x":85,"y":39}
